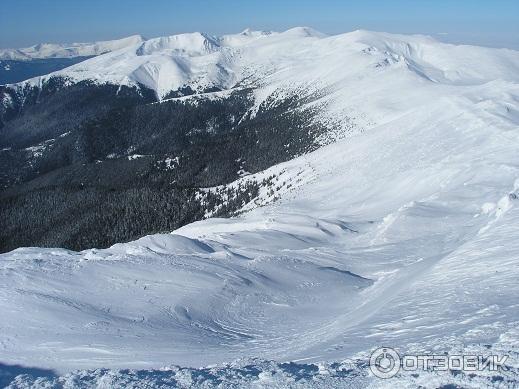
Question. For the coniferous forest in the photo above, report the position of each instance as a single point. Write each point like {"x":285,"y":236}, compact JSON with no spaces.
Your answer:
{"x":87,"y":165}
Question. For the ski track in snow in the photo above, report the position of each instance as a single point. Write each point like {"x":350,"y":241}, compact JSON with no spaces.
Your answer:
{"x":403,"y":234}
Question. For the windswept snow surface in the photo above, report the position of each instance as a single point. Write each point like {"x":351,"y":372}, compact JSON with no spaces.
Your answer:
{"x":404,"y":234}
{"x":60,"y":50}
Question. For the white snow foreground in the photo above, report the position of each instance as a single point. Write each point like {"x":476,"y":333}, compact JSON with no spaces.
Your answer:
{"x":403,"y":235}
{"x":62,"y":50}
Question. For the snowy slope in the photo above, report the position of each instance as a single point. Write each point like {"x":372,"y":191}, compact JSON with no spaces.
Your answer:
{"x":58,"y":50}
{"x":195,"y":57}
{"x":403,"y":234}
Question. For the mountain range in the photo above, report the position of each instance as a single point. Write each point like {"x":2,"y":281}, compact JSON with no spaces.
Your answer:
{"x":20,"y":64}
{"x":63,"y":50}
{"x":287,"y":200}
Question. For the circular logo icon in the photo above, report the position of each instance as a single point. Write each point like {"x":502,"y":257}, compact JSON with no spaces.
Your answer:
{"x":384,"y":362}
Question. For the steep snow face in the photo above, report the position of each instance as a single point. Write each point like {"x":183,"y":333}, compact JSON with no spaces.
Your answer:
{"x":402,"y":235}
{"x":194,"y":44}
{"x":54,"y":50}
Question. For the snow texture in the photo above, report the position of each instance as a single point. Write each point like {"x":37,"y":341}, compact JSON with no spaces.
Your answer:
{"x":403,"y":234}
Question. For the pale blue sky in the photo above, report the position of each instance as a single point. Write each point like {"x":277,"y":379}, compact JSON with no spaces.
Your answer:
{"x":27,"y":22}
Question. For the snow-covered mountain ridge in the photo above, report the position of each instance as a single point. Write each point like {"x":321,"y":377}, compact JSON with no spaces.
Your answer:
{"x":403,"y":234}
{"x":62,"y":50}
{"x":297,"y":57}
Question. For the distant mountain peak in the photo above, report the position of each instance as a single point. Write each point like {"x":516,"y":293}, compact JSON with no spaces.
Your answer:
{"x":69,"y":50}
{"x":305,"y":32}
{"x":251,"y":32}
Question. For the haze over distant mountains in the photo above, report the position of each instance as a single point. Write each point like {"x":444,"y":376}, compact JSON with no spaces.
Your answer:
{"x":64,"y":50}
{"x":20,"y":64}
